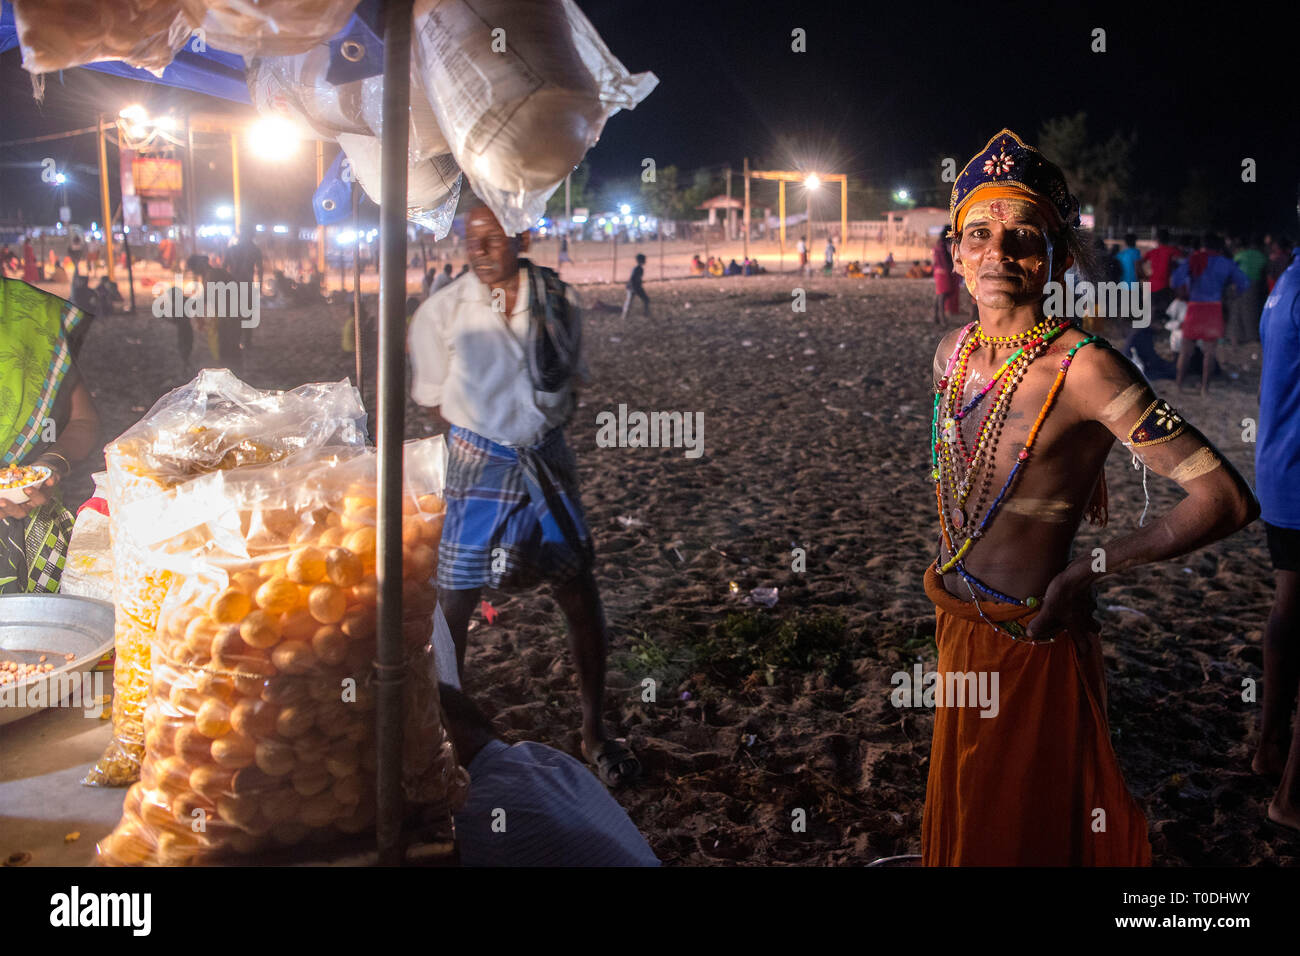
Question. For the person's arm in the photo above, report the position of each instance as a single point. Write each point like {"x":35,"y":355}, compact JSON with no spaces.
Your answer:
{"x":1218,"y":502}
{"x":75,"y":442}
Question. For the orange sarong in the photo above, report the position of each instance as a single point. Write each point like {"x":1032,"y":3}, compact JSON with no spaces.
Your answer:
{"x":1037,"y":784}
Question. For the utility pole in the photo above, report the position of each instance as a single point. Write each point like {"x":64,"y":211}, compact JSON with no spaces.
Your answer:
{"x":746,"y":223}
{"x":193,"y":188}
{"x":320,"y":230}
{"x":727,"y":226}
{"x":234,"y":174}
{"x":103,"y":199}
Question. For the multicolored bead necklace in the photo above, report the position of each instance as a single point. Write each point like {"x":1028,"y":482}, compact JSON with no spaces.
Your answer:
{"x":1016,"y":338}
{"x":981,"y":459}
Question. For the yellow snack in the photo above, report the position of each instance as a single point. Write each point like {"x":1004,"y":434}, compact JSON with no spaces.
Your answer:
{"x":193,"y":747}
{"x":278,"y":595}
{"x":309,"y":781}
{"x":280,"y":805}
{"x":211,"y":781}
{"x":213,"y":718}
{"x":237,"y":811}
{"x":275,"y":757}
{"x":330,"y":644}
{"x":211,"y":684}
{"x":293,"y":657}
{"x":230,"y":606}
{"x":306,"y":566}
{"x":246,"y":581}
{"x":298,"y":625}
{"x":361,"y":542}
{"x":254,"y":718}
{"x":260,"y":629}
{"x":294,"y":720}
{"x":326,"y":603}
{"x":343,"y":568}
{"x":233,"y":751}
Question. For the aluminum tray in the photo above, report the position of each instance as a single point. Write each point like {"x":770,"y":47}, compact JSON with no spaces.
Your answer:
{"x":54,"y":625}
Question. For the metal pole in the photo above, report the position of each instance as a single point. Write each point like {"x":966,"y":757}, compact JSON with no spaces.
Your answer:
{"x":746,"y":207}
{"x":130,"y":275}
{"x":193,"y":188}
{"x":613,"y":276}
{"x":234,"y":174}
{"x":844,"y":211}
{"x":780,"y":201}
{"x":392,"y":411}
{"x":726,"y":228}
{"x":320,"y":230}
{"x":103,"y":199}
{"x":356,"y":292}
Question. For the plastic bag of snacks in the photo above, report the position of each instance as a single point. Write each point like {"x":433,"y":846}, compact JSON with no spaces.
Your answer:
{"x":432,"y":185}
{"x":59,"y":34}
{"x":268,"y":27}
{"x":521,"y":90}
{"x":214,"y":425}
{"x":259,"y":722}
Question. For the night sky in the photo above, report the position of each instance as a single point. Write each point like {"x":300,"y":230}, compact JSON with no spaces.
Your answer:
{"x":880,"y":94}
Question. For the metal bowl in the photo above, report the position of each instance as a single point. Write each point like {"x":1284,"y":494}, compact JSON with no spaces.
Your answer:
{"x":54,"y":625}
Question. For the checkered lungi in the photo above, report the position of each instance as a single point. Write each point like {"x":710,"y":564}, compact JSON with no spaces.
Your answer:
{"x":513,"y":514}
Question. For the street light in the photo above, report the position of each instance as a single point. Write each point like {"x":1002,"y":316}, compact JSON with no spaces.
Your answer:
{"x":625,"y":209}
{"x":274,"y":138}
{"x":810,"y":186}
{"x":224,"y":212}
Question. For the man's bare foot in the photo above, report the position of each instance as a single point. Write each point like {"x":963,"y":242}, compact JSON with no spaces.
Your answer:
{"x":1289,"y":818}
{"x":1269,"y":760}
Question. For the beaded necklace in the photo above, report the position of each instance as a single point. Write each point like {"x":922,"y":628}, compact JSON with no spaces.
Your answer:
{"x":1033,"y":343}
{"x":1016,"y":338}
{"x":977,"y":462}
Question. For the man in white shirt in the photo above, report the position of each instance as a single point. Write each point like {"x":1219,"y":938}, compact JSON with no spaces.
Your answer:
{"x":513,"y":512}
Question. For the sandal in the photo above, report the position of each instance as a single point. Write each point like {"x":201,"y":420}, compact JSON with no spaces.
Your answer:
{"x":615,"y":763}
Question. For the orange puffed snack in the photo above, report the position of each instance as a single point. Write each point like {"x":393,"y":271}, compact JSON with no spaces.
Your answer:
{"x":261,"y":711}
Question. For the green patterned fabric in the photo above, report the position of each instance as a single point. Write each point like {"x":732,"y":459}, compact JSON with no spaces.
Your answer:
{"x":33,"y":549}
{"x":37,"y":335}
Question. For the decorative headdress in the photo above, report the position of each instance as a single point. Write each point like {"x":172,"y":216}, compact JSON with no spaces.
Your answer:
{"x":1007,"y":164}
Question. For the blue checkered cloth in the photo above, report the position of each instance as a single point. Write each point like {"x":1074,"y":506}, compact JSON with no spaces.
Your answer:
{"x":513,"y":514}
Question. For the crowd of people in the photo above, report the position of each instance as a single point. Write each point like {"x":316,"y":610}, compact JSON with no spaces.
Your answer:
{"x":715,"y":267}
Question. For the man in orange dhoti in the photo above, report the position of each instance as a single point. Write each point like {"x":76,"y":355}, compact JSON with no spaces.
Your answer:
{"x":1027,"y":407}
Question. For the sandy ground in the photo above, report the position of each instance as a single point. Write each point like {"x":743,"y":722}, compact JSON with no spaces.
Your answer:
{"x":816,"y":431}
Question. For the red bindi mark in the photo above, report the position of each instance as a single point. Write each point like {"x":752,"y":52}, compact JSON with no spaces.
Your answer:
{"x":999,"y":211}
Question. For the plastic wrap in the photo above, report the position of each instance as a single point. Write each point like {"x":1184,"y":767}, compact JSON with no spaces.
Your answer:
{"x":88,"y":569}
{"x":260,"y":716}
{"x":268,"y":27}
{"x":432,"y":185}
{"x":519,"y":117}
{"x":425,"y":140}
{"x":214,"y":426}
{"x":295,"y":87}
{"x":60,"y":34}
